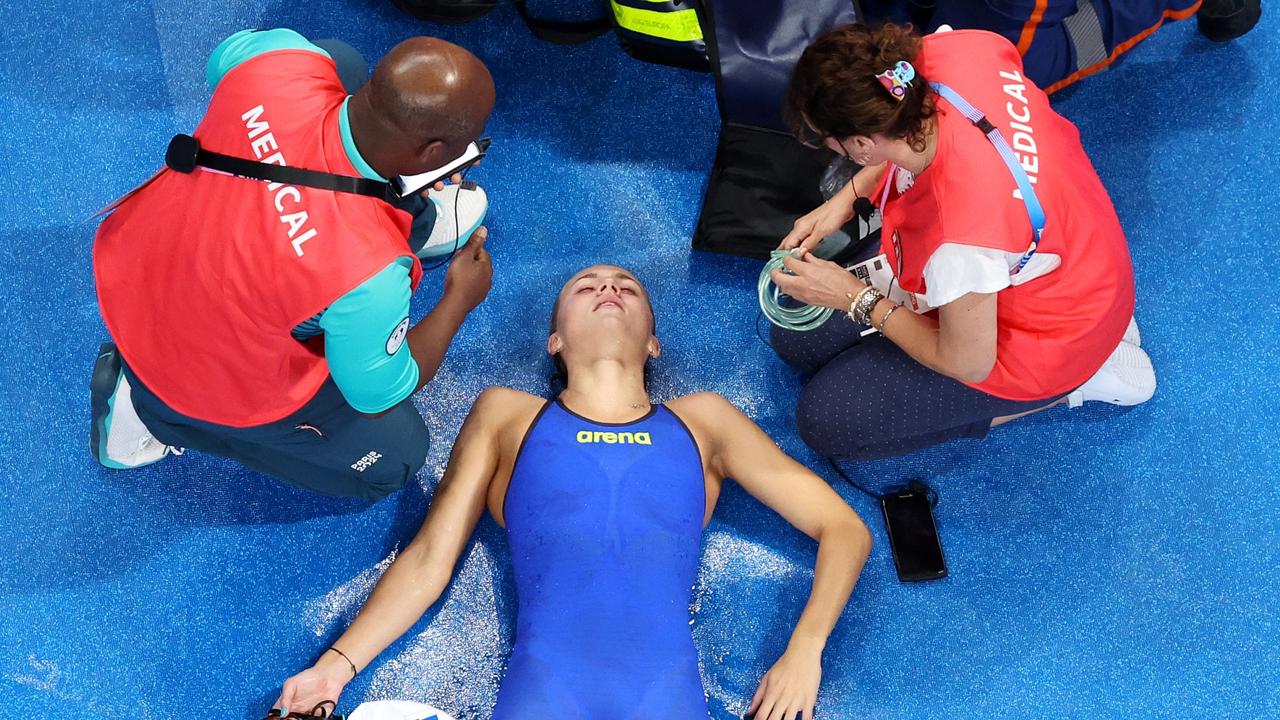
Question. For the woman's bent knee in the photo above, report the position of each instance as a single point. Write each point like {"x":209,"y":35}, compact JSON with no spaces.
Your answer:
{"x":828,"y":427}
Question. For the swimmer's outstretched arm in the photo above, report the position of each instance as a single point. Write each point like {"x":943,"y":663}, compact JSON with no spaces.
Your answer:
{"x":418,"y":576}
{"x":736,"y":447}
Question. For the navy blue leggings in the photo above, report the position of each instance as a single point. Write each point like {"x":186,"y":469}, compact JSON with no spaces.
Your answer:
{"x":868,"y":399}
{"x":326,"y":446}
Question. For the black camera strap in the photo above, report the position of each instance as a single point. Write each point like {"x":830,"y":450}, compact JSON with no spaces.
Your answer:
{"x":185,"y":155}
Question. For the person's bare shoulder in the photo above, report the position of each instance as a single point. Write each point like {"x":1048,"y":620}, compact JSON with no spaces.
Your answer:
{"x":703,"y":408}
{"x":708,"y":416}
{"x":503,"y":409}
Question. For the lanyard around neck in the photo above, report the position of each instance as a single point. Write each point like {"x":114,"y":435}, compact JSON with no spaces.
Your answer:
{"x":1035,"y":212}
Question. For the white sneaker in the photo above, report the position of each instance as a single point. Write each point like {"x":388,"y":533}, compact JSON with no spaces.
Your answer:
{"x":1126,"y":378}
{"x":118,"y":438}
{"x":397,"y":710}
{"x":1131,"y":335}
{"x":460,"y":209}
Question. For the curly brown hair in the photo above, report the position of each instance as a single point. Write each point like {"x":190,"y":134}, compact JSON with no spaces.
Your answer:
{"x":834,"y":89}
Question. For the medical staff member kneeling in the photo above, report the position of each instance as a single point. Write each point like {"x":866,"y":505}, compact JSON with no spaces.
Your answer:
{"x":269,"y":322}
{"x":992,"y":215}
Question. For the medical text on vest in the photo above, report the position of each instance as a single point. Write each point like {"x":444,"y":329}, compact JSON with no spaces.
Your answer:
{"x":263,"y":141}
{"x":1023,"y":141}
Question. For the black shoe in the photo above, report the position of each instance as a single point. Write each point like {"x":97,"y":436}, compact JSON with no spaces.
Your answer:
{"x":449,"y":12}
{"x":921,"y":12}
{"x":102,"y":390}
{"x":1223,"y":20}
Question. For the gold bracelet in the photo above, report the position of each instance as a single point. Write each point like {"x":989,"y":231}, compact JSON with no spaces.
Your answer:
{"x":885,"y":319}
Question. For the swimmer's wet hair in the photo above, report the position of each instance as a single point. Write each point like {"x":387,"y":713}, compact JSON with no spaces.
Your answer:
{"x":834,"y":87}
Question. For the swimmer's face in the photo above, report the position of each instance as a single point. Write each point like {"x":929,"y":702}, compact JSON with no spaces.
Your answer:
{"x":602,"y":298}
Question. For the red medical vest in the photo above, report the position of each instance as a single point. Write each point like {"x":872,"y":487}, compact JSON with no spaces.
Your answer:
{"x":1055,"y":331}
{"x":201,"y":277}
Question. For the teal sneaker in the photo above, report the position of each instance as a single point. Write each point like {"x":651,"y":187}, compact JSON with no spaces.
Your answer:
{"x":117,"y":437}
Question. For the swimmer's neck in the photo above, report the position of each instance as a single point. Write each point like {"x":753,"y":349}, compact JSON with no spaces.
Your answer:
{"x":607,"y":390}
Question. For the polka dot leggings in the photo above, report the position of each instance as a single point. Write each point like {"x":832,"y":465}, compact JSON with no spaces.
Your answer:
{"x":868,"y":399}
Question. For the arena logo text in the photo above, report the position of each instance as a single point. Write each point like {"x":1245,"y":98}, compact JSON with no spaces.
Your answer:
{"x":587,"y":437}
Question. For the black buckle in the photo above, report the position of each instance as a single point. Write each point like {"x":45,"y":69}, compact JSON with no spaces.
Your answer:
{"x":984,"y":125}
{"x":182,"y":153}
{"x":391,"y":193}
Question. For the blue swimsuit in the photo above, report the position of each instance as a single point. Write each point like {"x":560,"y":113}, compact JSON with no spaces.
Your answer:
{"x":605,"y":526}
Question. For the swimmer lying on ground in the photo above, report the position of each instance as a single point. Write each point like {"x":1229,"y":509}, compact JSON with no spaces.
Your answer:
{"x":604,"y":497}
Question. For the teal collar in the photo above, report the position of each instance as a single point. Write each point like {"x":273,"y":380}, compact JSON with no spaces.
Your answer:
{"x":349,"y":144}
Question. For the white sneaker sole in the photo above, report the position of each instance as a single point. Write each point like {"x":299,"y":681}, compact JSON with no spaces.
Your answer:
{"x":1127,"y":378}
{"x":471,"y":207}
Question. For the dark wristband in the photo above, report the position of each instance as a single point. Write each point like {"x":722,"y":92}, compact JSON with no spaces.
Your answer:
{"x":354,"y":672}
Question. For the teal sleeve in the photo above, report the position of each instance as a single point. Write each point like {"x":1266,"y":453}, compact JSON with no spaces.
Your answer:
{"x":364,"y":341}
{"x":249,"y":43}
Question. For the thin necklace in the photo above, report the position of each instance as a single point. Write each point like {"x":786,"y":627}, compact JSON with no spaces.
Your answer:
{"x":638,"y":406}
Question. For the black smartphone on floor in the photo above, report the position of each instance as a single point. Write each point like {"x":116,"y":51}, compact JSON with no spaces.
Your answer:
{"x":913,"y":537}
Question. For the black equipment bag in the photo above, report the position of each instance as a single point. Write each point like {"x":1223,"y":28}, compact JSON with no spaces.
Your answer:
{"x":763,"y":178}
{"x":668,"y":32}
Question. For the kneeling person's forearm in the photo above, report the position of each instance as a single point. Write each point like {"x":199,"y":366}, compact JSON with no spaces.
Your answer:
{"x":429,"y":340}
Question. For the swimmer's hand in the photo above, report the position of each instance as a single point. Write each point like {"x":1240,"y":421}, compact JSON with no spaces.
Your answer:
{"x":470,"y":276}
{"x":790,"y":689}
{"x":318,"y":683}
{"x":830,"y":216}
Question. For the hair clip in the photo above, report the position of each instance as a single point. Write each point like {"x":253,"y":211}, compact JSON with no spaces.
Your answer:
{"x":897,"y":79}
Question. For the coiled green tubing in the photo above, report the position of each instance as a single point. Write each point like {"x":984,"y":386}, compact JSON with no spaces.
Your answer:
{"x":803,"y":317}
